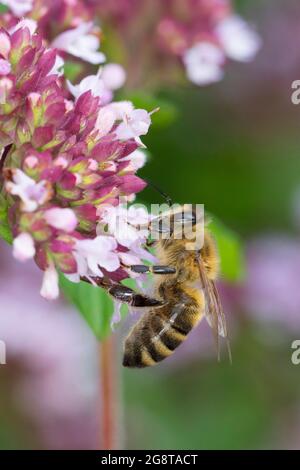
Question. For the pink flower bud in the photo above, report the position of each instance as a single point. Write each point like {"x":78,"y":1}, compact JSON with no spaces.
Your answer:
{"x":69,"y":105}
{"x":61,"y":161}
{"x":5,"y":86}
{"x":132,"y":184}
{"x":50,"y":290}
{"x":34,"y":98}
{"x":31,"y":161}
{"x":93,"y":164}
{"x":63,"y":219}
{"x":4,"y":45}
{"x":23,"y":247}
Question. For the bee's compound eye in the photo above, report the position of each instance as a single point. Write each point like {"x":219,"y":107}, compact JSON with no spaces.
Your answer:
{"x":162,"y":225}
{"x":185,"y":218}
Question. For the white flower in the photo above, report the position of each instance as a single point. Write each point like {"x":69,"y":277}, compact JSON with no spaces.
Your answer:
{"x":113,"y":76}
{"x":130,"y":259}
{"x":109,"y":78}
{"x":124,"y":223}
{"x":80,"y":43}
{"x":137,"y":160}
{"x":121,"y":108}
{"x":111,"y":113}
{"x":23,"y":247}
{"x":105,"y":121}
{"x":31,"y":193}
{"x":238,"y":40}
{"x":58,"y":67}
{"x":25,"y":23}
{"x":18,"y":7}
{"x":50,"y":289}
{"x":91,"y":83}
{"x":142,"y":253}
{"x":204,"y":63}
{"x":63,"y":219}
{"x":135,"y":124}
{"x":91,"y":255}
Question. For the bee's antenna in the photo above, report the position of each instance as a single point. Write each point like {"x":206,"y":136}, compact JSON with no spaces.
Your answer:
{"x":163,"y":194}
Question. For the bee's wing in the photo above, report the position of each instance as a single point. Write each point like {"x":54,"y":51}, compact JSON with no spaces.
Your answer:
{"x":221,"y":321}
{"x":213,"y":309}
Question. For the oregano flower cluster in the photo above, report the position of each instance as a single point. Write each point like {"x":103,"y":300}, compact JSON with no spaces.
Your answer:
{"x":65,"y":163}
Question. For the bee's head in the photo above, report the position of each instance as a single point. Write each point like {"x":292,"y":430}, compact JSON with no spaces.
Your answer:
{"x":186,"y":215}
{"x":179,"y":221}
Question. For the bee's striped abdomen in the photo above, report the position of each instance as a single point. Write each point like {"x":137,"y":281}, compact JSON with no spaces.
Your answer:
{"x":159,"y":332}
{"x":140,"y":350}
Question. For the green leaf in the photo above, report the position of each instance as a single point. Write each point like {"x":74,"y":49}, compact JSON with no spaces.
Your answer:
{"x":94,"y":304}
{"x":167,"y":111}
{"x":230,"y":250}
{"x":3,"y":9}
{"x":5,"y":231}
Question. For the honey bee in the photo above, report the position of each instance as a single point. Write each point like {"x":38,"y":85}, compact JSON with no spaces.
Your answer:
{"x":188,"y":294}
{"x":185,"y":292}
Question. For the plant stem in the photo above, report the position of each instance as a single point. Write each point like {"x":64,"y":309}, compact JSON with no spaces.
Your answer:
{"x":110,"y":395}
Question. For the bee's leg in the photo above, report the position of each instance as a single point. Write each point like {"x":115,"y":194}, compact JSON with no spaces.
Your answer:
{"x":125,"y":294}
{"x":129,"y":296}
{"x":156,"y":269}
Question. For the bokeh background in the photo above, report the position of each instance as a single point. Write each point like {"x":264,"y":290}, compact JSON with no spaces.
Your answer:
{"x":234,"y":146}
